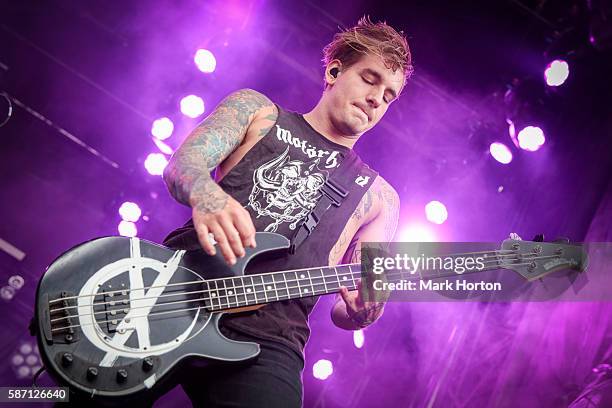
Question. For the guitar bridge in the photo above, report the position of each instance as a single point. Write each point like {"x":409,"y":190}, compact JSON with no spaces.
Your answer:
{"x":61,"y":319}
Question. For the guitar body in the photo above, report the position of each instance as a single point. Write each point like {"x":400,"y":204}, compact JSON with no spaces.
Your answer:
{"x":116,"y":316}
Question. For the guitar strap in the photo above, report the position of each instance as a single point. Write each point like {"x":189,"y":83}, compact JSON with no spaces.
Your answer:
{"x":351,"y":176}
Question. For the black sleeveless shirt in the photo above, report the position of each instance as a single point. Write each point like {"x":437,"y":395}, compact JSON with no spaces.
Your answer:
{"x":278,"y":182}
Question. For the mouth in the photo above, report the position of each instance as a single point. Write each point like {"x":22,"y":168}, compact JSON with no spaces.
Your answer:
{"x":364,"y":112}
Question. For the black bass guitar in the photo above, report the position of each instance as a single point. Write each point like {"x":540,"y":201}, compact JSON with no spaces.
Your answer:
{"x":116,"y":316}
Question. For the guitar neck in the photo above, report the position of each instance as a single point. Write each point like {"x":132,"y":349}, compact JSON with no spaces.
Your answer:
{"x":249,"y":290}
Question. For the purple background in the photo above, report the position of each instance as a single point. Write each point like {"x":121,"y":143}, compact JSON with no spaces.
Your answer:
{"x":103,"y":71}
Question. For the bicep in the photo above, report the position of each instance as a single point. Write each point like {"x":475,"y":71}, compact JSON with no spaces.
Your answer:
{"x":380,"y":229}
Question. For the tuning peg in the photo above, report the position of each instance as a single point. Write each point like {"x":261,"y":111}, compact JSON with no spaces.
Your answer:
{"x":538,"y":238}
{"x":562,"y":240}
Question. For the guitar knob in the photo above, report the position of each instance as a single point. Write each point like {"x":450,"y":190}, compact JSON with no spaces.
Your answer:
{"x":67,"y":359}
{"x":92,"y":373}
{"x":147,"y":364}
{"x":122,"y":375}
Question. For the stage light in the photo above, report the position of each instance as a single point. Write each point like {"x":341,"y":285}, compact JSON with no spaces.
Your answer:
{"x":500,"y":152}
{"x":162,"y":128}
{"x":26,"y":361}
{"x":322,"y":369}
{"x":205,"y":61}
{"x":164,"y":148}
{"x":525,"y":109}
{"x":7,"y":293}
{"x":130,"y":211}
{"x":436,"y":212}
{"x":127,"y":229}
{"x":531,"y":138}
{"x":155,"y":163}
{"x":416,"y":233}
{"x":556,"y":73}
{"x":192,"y":106}
{"x":358,"y":338}
{"x":16,"y":282}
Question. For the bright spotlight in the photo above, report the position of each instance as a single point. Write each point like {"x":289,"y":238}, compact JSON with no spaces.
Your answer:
{"x":500,"y":152}
{"x":436,"y":212}
{"x":155,"y":163}
{"x":531,"y":138}
{"x":416,"y":233}
{"x":162,"y":128}
{"x":322,"y":369}
{"x":556,"y":73}
{"x":192,"y":106}
{"x":130,"y":211}
{"x":127,"y":229}
{"x":358,"y":338}
{"x":205,"y":61}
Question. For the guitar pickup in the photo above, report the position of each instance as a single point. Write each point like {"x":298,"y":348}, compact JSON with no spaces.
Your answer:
{"x":116,"y":306}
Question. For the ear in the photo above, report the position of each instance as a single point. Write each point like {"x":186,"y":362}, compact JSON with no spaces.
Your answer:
{"x":334,"y":66}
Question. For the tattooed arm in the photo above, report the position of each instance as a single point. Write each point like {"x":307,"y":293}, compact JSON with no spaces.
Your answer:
{"x":350,"y":311}
{"x":188,"y":179}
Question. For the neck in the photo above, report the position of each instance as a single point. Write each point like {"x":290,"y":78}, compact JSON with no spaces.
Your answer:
{"x":320,"y":121}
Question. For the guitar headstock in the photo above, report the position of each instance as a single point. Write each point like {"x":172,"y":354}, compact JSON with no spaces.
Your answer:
{"x":533,"y":260}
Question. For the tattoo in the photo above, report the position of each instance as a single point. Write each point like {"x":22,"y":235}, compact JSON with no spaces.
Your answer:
{"x":265,"y":129}
{"x":368,"y":315}
{"x":188,"y":173}
{"x":358,"y":215}
{"x":390,"y":208}
{"x":388,"y":202}
{"x":354,"y":249}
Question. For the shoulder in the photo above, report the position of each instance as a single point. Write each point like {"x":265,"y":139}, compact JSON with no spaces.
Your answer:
{"x":253,"y":102}
{"x":385,"y":193}
{"x":380,"y":197}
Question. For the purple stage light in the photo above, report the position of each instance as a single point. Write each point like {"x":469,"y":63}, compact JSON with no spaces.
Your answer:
{"x":358,"y":338}
{"x":500,"y":152}
{"x":556,"y":73}
{"x":130,"y":211}
{"x":26,"y":361}
{"x":416,"y":233}
{"x":162,"y":128}
{"x":163,"y":147}
{"x":322,"y":369}
{"x":531,"y":138}
{"x":127,"y":229}
{"x":205,"y":61}
{"x":192,"y":106}
{"x":436,"y":212}
{"x":155,"y":163}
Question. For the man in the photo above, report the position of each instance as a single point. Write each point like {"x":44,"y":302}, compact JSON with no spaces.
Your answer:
{"x":271,"y":164}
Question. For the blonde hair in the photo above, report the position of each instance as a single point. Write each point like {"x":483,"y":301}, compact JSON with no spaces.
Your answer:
{"x":366,"y":37}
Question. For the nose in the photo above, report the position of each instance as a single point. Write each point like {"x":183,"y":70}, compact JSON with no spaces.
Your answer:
{"x":374,"y":98}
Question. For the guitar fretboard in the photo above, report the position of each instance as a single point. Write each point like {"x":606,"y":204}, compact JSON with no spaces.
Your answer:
{"x":248,"y":290}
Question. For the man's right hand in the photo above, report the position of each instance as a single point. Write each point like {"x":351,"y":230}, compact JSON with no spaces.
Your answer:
{"x":228,"y":222}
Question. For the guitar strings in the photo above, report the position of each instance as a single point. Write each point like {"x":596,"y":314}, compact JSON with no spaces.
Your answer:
{"x":225,"y":288}
{"x":279,"y":297}
{"x":125,"y":291}
{"x":229,"y":305}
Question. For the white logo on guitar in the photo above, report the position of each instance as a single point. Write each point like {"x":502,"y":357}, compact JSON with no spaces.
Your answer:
{"x":141,"y":303}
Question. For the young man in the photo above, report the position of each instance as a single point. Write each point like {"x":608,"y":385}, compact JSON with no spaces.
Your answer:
{"x":271,"y":164}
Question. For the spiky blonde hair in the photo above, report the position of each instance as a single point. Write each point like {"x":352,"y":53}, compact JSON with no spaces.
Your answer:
{"x":366,"y":37}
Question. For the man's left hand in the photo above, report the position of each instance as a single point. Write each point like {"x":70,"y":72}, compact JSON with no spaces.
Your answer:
{"x":362,"y":313}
